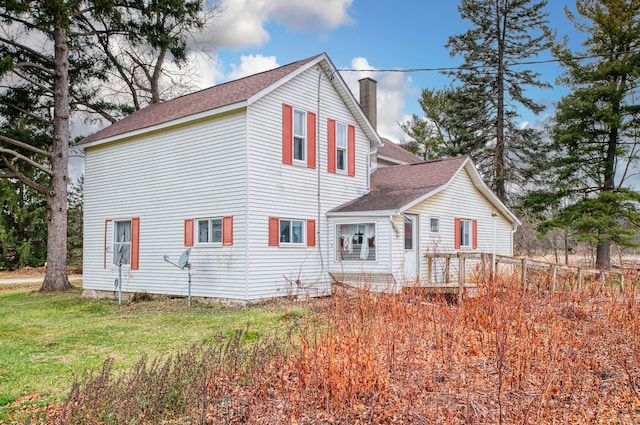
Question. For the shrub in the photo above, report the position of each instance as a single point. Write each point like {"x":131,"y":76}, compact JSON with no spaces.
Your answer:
{"x":507,"y":356}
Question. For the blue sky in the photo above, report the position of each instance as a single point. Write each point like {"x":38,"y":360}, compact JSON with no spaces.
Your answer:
{"x":255,"y":35}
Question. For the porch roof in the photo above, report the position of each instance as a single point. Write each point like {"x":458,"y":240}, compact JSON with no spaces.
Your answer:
{"x":395,"y":187}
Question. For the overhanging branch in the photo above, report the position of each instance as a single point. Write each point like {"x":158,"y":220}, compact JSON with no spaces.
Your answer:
{"x":24,"y":179}
{"x":25,"y":146}
{"x":24,"y":111}
{"x":27,"y":160}
{"x":34,"y":65}
{"x":23,"y":47}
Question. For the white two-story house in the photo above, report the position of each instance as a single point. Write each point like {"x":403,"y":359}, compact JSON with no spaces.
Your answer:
{"x":267,"y":180}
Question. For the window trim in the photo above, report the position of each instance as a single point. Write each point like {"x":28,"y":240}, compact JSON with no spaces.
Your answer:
{"x":459,"y":234}
{"x":339,"y":257}
{"x":303,"y":137}
{"x":210,"y":233}
{"x":437,"y":220}
{"x":466,"y":230}
{"x":303,"y":227}
{"x":345,"y":148}
{"x":115,"y":242}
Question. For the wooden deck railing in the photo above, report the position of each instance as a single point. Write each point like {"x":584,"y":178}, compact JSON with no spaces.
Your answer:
{"x":465,"y":269}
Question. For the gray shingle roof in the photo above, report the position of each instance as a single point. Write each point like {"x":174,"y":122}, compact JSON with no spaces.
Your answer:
{"x":194,"y":103}
{"x":397,"y":186}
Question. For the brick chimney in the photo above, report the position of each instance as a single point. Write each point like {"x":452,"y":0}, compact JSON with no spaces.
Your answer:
{"x":368,"y":99}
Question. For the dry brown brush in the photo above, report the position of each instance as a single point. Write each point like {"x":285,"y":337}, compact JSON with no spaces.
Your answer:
{"x":508,"y":356}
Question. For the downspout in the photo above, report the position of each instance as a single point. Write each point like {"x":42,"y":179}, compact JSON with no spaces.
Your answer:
{"x":392,"y":227}
{"x":318,"y":234}
{"x":246,"y":212}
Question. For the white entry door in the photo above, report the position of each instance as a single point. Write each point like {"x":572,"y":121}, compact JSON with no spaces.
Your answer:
{"x":411,"y":254}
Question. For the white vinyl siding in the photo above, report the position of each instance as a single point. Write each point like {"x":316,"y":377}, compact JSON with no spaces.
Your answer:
{"x":155,"y":186}
{"x":234,"y":169}
{"x":447,"y":206}
{"x":277,"y":190}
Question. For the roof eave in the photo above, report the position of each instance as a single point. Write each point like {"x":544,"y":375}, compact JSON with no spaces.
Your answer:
{"x":393,"y":160}
{"x":370,"y":213}
{"x":165,"y":125}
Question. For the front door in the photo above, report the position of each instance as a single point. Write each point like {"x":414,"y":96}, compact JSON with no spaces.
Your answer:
{"x":411,"y":254}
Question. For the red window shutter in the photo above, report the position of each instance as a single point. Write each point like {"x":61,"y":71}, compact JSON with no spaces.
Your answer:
{"x":287,"y":134}
{"x":106,"y":242}
{"x":188,"y":232}
{"x":474,"y":234}
{"x":351,"y":147}
{"x":331,"y":142}
{"x":311,"y":140}
{"x":274,"y":231}
{"x":227,"y":230}
{"x":311,"y":233}
{"x":135,"y":243}
{"x":456,"y":234}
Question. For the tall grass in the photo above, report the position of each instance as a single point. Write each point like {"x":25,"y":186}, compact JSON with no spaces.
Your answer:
{"x":509,"y":356}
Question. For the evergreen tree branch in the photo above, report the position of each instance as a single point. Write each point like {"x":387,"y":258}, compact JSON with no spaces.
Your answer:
{"x":27,"y":160}
{"x":25,"y":146}
{"x":25,"y":112}
{"x":24,"y":179}
{"x":20,"y":46}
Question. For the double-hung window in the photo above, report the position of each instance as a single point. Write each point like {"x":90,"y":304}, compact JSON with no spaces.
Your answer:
{"x":122,"y":242}
{"x":434,"y":225}
{"x":292,"y":231}
{"x":299,"y":135}
{"x":210,"y":231}
{"x":341,"y":146}
{"x":465,"y":233}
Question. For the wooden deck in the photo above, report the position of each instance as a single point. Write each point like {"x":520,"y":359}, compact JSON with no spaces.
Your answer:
{"x":464,"y":273}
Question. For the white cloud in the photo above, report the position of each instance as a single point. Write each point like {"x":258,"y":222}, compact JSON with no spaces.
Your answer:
{"x":242,"y":22}
{"x":208,"y":69}
{"x":252,"y":64}
{"x":393,"y":89}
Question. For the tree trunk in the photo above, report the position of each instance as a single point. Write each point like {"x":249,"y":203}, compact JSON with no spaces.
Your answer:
{"x":499,"y":153}
{"x":603,"y":255}
{"x":56,"y":278}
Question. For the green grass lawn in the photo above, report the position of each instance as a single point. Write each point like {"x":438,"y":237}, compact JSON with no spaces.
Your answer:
{"x":48,"y":339}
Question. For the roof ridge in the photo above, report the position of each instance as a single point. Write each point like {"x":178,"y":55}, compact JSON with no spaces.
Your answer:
{"x":190,"y":104}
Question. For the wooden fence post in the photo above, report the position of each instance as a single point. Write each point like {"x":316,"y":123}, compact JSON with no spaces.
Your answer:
{"x":447,"y":269}
{"x":429,"y":269}
{"x":461,"y":266}
{"x":524,"y":274}
{"x":554,"y":273}
{"x":579,"y":278}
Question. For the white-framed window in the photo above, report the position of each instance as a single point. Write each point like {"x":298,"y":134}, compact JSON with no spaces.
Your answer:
{"x":122,"y":242}
{"x":434,"y":225}
{"x":465,"y":233}
{"x":356,"y":242}
{"x":299,"y":135}
{"x":209,"y":230}
{"x":292,"y":232}
{"x":341,"y":146}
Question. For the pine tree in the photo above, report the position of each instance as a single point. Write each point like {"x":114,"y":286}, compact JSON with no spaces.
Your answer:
{"x":48,"y":50}
{"x":502,"y":34}
{"x":596,"y":137}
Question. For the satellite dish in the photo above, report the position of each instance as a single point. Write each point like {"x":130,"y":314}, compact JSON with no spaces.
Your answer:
{"x":184,"y":258}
